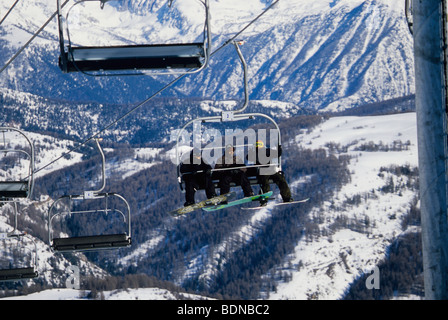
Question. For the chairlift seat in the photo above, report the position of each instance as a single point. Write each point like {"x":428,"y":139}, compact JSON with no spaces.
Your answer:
{"x":18,"y":273}
{"x":13,"y":189}
{"x":251,"y":173}
{"x":111,"y":241}
{"x":134,"y":57}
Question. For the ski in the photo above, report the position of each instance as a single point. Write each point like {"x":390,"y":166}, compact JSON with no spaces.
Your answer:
{"x":291,"y":202}
{"x":238,"y":202}
{"x":209,"y":202}
{"x":278,"y":204}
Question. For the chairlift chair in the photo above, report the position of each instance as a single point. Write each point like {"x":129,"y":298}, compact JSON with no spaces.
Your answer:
{"x":92,"y":203}
{"x":253,"y":171}
{"x":24,"y":241}
{"x":17,"y":186}
{"x":26,"y":268}
{"x":171,"y":58}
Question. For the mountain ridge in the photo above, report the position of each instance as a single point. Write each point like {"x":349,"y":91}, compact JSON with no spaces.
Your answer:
{"x":329,"y":46}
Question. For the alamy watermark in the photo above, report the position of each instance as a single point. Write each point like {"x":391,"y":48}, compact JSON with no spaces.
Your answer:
{"x":73,"y":280}
{"x":373,"y":281}
{"x":260,"y":147}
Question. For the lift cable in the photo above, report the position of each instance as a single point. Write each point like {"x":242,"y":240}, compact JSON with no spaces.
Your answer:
{"x":31,"y":39}
{"x":9,"y":11}
{"x":94,"y":136}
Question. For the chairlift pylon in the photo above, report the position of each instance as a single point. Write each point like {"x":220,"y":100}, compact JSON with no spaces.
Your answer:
{"x":17,"y":186}
{"x":232,"y":116}
{"x":105,"y":203}
{"x":144,"y":59}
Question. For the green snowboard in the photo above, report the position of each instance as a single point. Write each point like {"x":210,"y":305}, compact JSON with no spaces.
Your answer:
{"x":238,"y":202}
{"x":209,"y":202}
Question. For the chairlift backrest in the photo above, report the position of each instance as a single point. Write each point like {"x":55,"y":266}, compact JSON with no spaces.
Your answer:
{"x":170,"y":58}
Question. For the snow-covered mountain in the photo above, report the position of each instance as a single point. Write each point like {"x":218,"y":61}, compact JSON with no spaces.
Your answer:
{"x":329,"y":263}
{"x":355,"y":228}
{"x":303,"y":56}
{"x":324,"y":54}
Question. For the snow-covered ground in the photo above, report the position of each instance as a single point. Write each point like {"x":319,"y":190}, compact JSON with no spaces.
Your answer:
{"x":128,"y":294}
{"x":324,"y":267}
{"x":330,"y":263}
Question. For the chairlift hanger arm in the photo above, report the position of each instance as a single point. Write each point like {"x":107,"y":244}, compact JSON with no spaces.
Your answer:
{"x":103,"y":167}
{"x":231,"y":115}
{"x":244,"y":64}
{"x":103,"y":2}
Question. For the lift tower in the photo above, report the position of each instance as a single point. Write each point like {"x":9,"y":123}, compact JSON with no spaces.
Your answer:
{"x":431,"y":108}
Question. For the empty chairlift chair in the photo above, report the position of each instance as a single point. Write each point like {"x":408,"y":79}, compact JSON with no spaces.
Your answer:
{"x":167,"y":58}
{"x":18,"y":258}
{"x":86,"y":210}
{"x":16,"y":164}
{"x":18,"y":244}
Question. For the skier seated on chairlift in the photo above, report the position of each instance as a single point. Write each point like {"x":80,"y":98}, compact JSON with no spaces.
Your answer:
{"x":237,"y":175}
{"x":278,"y":177}
{"x":197,"y":173}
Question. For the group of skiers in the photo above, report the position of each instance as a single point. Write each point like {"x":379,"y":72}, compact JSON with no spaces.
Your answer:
{"x":197,"y":172}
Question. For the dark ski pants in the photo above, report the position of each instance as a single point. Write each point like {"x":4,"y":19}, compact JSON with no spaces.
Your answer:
{"x":279,"y":179}
{"x":239,"y":177}
{"x":193,"y":183}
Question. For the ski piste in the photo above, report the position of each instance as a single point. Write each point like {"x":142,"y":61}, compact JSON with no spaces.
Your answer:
{"x":209,"y":202}
{"x":238,"y":202}
{"x":278,"y":204}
